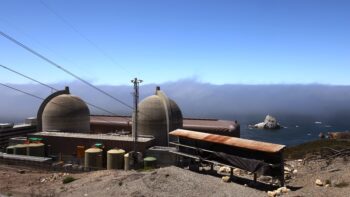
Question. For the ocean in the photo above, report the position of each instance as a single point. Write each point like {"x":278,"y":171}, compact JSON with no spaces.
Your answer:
{"x":296,"y":129}
{"x":294,"y":132}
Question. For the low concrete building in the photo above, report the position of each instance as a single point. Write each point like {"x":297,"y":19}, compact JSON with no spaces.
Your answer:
{"x":107,"y":124}
{"x":66,"y":143}
{"x":15,"y":131}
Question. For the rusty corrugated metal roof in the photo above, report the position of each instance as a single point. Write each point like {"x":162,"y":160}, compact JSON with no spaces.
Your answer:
{"x":229,"y":141}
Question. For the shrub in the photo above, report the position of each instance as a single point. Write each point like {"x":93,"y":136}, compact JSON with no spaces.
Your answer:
{"x":68,"y":179}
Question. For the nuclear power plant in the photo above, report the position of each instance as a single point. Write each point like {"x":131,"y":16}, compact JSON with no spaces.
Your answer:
{"x":65,"y":128}
{"x":156,"y":134}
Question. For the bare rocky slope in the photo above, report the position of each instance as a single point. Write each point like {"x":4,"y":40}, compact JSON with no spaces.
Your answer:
{"x":173,"y":181}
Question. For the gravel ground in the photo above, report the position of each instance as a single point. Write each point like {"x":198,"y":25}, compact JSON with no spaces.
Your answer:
{"x":337,"y":175}
{"x":170,"y":181}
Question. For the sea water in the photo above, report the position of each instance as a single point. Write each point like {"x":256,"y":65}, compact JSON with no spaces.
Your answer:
{"x":293,"y":132}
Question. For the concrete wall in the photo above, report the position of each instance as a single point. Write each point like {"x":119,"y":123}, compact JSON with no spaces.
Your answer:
{"x":68,"y":146}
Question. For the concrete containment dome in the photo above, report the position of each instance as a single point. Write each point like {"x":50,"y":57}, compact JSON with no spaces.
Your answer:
{"x":66,"y":113}
{"x":158,"y":115}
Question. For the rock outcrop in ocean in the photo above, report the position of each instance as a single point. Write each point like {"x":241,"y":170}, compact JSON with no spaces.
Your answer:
{"x":270,"y":122}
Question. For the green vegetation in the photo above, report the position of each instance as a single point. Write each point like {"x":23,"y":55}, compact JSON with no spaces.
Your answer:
{"x":309,"y":148}
{"x":68,"y":179}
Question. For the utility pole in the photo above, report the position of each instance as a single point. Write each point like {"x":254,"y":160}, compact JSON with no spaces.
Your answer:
{"x":136,"y":83}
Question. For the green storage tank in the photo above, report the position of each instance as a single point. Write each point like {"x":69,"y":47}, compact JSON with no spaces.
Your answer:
{"x":93,"y":158}
{"x":149,"y":162}
{"x":115,"y":159}
{"x":20,"y":149}
{"x":36,"y":149}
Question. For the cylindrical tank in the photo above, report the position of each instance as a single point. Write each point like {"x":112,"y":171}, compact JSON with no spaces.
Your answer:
{"x":36,"y":149}
{"x":149,"y":162}
{"x":66,"y":113}
{"x":35,"y":139}
{"x":20,"y":149}
{"x":130,"y":162}
{"x":158,"y":115}
{"x":93,"y":158}
{"x":80,"y":152}
{"x":10,"y":149}
{"x":115,"y":159}
{"x":126,"y":162}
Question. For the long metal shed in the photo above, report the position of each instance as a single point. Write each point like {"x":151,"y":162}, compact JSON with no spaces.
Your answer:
{"x":229,"y":141}
{"x":254,"y":156}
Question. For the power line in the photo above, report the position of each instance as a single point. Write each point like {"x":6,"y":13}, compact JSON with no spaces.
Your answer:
{"x":25,"y":76}
{"x":48,"y":86}
{"x":72,"y":27}
{"x":32,"y":95}
{"x":18,"y":29}
{"x":18,"y":90}
{"x":62,"y":68}
{"x":40,"y":98}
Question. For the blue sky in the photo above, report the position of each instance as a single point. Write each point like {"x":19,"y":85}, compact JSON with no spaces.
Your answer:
{"x":219,"y":42}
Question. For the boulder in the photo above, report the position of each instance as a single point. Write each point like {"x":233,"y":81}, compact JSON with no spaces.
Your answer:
{"x":260,"y":125}
{"x":318,"y":182}
{"x":339,"y":135}
{"x":287,"y":169}
{"x":278,"y":192}
{"x":321,"y":135}
{"x":237,"y":171}
{"x":224,"y":169}
{"x":225,"y":179}
{"x":270,"y":122}
{"x":283,"y":190}
{"x":271,"y":194}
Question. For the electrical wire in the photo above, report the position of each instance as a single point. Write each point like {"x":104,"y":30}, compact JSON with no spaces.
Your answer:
{"x":40,"y":98}
{"x":62,"y":68}
{"x":50,"y":87}
{"x":72,"y":27}
{"x":18,"y":90}
{"x":25,"y":76}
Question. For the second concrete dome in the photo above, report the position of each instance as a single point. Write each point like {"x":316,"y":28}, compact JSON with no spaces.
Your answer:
{"x":66,"y":113}
{"x":158,"y":115}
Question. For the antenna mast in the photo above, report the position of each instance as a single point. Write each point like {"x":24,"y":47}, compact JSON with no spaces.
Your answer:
{"x":136,"y":83}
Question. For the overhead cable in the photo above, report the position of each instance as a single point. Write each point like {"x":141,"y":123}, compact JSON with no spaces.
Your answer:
{"x":72,"y":27}
{"x":40,"y":98}
{"x":48,"y":86}
{"x":62,"y":68}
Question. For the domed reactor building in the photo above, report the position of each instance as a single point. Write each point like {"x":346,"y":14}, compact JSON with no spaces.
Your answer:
{"x":66,"y":113}
{"x":158,"y":115}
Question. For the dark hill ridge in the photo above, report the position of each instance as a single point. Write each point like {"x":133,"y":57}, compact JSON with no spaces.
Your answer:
{"x":202,"y":100}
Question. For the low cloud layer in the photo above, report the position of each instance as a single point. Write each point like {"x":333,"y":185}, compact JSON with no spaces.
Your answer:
{"x":331,"y":103}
